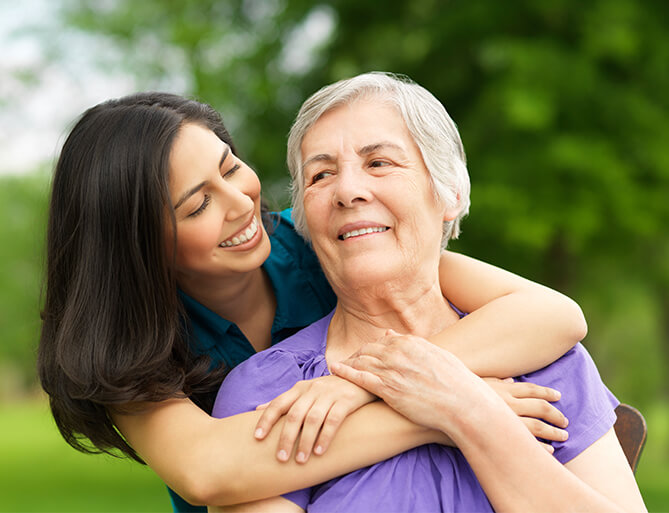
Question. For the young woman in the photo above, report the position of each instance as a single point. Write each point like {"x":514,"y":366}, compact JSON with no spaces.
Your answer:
{"x":162,"y":275}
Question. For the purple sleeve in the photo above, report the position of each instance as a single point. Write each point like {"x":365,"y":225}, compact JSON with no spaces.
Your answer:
{"x":256,"y":381}
{"x":586,"y":402}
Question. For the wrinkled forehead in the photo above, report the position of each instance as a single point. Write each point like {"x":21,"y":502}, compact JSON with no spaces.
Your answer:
{"x":360,"y":122}
{"x":354,"y":102}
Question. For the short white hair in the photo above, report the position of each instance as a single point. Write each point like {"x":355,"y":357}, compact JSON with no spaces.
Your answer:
{"x":432,"y":129}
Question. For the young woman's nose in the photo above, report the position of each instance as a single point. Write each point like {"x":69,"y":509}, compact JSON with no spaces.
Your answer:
{"x":351,"y":187}
{"x":236,"y":202}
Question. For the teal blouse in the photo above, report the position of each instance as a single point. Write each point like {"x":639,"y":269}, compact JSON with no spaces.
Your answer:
{"x":303,"y":296}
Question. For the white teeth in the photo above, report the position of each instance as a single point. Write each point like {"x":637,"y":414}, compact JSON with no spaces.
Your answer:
{"x":243,"y":237}
{"x":363,"y":231}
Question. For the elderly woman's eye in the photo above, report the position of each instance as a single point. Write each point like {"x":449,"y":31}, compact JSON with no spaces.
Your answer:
{"x":319,"y":176}
{"x":378,"y":163}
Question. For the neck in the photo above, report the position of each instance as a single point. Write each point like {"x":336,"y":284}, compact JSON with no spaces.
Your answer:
{"x":365,"y":315}
{"x":246,"y":299}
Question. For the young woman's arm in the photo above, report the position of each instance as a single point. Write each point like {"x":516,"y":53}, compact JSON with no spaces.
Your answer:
{"x":217,"y":461}
{"x":514,"y":325}
{"x":273,"y":504}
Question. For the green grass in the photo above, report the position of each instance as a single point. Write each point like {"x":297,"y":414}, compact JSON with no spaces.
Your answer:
{"x":39,"y":472}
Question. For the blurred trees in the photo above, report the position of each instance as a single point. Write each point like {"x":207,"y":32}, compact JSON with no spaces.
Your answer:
{"x":562,"y":107}
{"x":23,"y":213}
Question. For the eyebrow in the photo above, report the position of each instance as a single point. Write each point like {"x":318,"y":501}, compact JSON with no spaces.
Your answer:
{"x":321,"y":157}
{"x":225,"y":155}
{"x":199,"y":186}
{"x":189,"y":193}
{"x":365,"y":150}
{"x":371,"y":148}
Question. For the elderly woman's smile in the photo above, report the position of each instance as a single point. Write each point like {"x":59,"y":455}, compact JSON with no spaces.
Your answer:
{"x":359,"y":229}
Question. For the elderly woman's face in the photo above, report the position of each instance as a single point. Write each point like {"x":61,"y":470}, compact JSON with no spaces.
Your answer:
{"x":368,"y":199}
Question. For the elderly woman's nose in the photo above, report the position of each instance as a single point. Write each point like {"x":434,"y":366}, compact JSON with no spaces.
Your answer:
{"x":351,"y":188}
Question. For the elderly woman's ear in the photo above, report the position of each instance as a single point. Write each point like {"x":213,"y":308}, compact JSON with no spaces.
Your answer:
{"x":451,"y":213}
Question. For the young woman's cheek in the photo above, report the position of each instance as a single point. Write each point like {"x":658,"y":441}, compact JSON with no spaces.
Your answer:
{"x":196,"y":239}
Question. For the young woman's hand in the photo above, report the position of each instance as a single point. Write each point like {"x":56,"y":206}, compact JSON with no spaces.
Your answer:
{"x":316,"y":407}
{"x":532,"y":404}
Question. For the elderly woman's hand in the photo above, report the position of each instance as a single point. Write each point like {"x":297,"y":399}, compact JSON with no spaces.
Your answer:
{"x":313,"y":408}
{"x":422,"y":382}
{"x":414,"y":377}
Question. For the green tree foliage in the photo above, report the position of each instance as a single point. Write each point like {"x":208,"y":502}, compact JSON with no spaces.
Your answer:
{"x":562,"y":106}
{"x":22,"y":209}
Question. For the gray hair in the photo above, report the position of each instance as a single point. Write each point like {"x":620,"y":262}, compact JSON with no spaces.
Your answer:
{"x":432,"y":129}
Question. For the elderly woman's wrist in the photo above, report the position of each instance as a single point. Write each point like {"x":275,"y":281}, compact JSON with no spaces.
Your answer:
{"x":473,"y":417}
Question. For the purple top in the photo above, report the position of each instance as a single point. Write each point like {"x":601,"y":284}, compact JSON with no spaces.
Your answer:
{"x":428,"y":478}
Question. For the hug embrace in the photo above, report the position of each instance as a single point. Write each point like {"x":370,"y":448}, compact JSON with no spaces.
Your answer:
{"x":366,"y":367}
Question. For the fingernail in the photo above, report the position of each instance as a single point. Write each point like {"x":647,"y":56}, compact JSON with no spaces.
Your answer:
{"x":565,"y":422}
{"x":334,"y":367}
{"x":318,"y":449}
{"x":301,"y":457}
{"x":558,"y":395}
{"x":564,"y":435}
{"x":282,"y":455}
{"x":259,"y":433}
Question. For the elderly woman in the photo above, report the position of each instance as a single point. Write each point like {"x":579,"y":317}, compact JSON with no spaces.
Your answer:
{"x":380,"y":186}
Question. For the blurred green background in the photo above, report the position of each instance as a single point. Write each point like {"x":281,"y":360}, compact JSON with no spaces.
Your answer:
{"x":563,"y":109}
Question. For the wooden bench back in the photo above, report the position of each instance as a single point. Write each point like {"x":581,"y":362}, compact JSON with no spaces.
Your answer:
{"x":631,"y":430}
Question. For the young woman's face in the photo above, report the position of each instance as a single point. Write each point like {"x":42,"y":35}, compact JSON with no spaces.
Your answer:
{"x":216,"y":199}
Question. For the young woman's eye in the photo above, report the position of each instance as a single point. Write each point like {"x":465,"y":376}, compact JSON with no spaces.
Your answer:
{"x":200,"y":209}
{"x":231,"y":171}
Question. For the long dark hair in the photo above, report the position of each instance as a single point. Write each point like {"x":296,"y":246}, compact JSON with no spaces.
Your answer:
{"x":113,"y":332}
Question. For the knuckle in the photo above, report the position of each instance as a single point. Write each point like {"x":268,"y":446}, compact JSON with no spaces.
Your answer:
{"x":520,"y":389}
{"x":300,"y":385}
{"x":547,"y":411}
{"x":540,"y":429}
{"x":274,"y":410}
{"x":542,"y":392}
{"x":334,"y":419}
{"x":293,"y":416}
{"x":313,"y":417}
{"x":267,"y":418}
